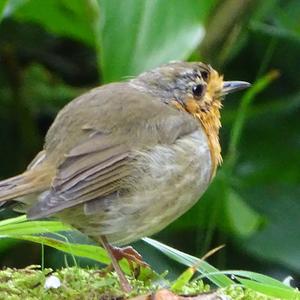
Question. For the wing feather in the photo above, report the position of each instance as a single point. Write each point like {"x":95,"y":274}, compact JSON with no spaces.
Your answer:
{"x":90,"y":171}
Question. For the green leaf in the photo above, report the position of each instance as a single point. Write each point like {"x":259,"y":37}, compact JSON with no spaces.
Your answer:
{"x":242,"y":219}
{"x":13,"y":220}
{"x":263,"y":284}
{"x":89,"y":251}
{"x":8,"y":7}
{"x":18,"y":226}
{"x":137,"y":35}
{"x":261,"y":278}
{"x":32,"y":227}
{"x":183,"y":279}
{"x":3,"y":4}
{"x":73,"y":19}
{"x":203,"y":267}
{"x":270,"y":290}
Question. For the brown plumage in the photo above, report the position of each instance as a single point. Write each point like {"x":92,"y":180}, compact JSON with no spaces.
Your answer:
{"x":124,"y":160}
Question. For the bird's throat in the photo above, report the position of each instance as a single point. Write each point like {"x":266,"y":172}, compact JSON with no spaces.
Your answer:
{"x":210,"y":121}
{"x":211,"y":124}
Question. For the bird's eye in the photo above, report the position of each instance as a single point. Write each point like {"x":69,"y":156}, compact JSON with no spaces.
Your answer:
{"x":197,"y":90}
{"x":204,"y":75}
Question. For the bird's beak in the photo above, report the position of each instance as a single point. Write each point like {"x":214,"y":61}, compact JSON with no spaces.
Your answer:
{"x":233,"y":86}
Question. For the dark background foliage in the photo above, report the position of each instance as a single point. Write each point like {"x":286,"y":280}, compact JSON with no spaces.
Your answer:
{"x":53,"y":50}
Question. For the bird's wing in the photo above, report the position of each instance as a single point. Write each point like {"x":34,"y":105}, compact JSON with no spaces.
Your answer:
{"x":96,"y":166}
{"x":91,"y":170}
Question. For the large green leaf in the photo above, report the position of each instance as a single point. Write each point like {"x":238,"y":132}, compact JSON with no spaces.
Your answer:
{"x":7,"y":7}
{"x":3,"y":4}
{"x":73,"y":19}
{"x":137,"y":35}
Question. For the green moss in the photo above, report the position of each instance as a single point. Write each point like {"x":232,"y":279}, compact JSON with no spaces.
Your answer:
{"x":239,"y":293}
{"x":78,"y":283}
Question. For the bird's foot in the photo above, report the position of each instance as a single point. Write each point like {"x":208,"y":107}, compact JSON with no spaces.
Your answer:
{"x":134,"y":259}
{"x":130,"y":254}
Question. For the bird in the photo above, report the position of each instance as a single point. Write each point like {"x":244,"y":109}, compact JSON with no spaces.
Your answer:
{"x":124,"y":160}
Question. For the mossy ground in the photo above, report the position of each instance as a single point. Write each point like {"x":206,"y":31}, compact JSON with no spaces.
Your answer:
{"x":78,"y":283}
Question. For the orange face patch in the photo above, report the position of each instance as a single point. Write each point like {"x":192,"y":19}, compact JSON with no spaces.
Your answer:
{"x":192,"y":106}
{"x":207,"y":112}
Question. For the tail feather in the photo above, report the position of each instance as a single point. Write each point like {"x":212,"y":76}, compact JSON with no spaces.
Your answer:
{"x":31,"y":181}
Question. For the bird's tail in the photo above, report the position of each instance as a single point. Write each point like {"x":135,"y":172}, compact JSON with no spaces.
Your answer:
{"x":32,"y":181}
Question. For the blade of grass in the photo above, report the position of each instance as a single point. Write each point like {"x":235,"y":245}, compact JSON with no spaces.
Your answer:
{"x":261,"y":283}
{"x":187,"y":275}
{"x":32,"y":227}
{"x":13,"y":220}
{"x":89,"y":251}
{"x":259,"y":278}
{"x":271,"y":290}
{"x":183,"y":279}
{"x":188,"y":260}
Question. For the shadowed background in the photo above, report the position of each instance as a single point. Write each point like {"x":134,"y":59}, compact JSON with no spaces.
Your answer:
{"x":53,"y":50}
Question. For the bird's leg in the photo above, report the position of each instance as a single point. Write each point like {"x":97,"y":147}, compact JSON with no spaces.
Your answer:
{"x":123,"y":280}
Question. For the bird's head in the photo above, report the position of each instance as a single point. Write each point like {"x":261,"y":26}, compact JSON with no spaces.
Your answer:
{"x":194,"y":86}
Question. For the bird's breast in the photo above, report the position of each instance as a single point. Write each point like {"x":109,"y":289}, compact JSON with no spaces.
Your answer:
{"x":167,"y":181}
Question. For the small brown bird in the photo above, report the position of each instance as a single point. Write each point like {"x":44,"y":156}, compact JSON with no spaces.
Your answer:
{"x":126,"y":159}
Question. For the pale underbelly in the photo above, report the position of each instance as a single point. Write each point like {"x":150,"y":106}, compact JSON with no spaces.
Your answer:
{"x":168,"y":181}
